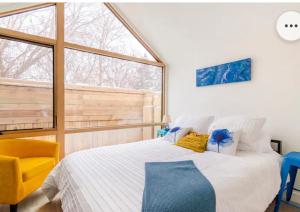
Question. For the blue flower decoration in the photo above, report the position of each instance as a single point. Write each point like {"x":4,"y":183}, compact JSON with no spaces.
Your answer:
{"x":175,"y":129}
{"x":173,"y":132}
{"x":221,"y":137}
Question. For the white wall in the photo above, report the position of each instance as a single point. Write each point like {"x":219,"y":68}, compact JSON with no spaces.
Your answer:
{"x":191,"y":36}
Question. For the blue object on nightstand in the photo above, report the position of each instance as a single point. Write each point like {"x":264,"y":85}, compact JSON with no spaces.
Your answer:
{"x":162,"y":132}
{"x":290,"y":165}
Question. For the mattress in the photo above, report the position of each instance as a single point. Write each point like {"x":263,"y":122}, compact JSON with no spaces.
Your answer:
{"x":112,"y":178}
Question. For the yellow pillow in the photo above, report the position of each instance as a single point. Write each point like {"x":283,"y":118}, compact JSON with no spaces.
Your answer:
{"x":194,"y":141}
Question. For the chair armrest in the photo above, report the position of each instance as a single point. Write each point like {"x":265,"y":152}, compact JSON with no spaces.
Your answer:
{"x":10,"y":180}
{"x":29,"y":148}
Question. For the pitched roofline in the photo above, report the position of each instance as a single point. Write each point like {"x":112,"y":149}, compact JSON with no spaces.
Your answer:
{"x":113,"y":8}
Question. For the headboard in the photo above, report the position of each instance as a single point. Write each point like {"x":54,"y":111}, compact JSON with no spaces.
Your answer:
{"x":278,"y":144}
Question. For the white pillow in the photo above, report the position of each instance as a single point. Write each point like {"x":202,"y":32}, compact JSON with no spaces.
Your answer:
{"x":198,"y":124}
{"x":228,"y":149}
{"x":176,"y":133}
{"x":263,"y":142}
{"x":249,"y":128}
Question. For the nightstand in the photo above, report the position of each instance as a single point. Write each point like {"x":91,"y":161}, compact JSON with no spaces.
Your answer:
{"x":278,"y":145}
{"x":290,"y":165}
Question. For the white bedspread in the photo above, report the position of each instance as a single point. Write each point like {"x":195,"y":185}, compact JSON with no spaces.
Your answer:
{"x":112,"y":178}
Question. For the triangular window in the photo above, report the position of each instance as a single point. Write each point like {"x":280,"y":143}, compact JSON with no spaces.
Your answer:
{"x":94,"y":25}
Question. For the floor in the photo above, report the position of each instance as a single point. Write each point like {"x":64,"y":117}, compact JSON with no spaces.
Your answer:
{"x":37,"y":202}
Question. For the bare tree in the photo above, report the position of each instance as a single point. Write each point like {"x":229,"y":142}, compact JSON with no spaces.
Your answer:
{"x":89,"y":24}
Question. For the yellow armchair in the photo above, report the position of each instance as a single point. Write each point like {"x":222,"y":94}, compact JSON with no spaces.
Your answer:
{"x":24,"y":165}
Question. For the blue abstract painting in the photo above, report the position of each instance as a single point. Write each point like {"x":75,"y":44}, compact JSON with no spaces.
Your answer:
{"x":237,"y":71}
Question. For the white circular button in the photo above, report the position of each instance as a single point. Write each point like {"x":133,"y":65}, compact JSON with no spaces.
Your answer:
{"x":288,"y":26}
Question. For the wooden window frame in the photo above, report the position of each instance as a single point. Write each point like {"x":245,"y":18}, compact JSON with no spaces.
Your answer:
{"x":59,"y":44}
{"x":14,"y":39}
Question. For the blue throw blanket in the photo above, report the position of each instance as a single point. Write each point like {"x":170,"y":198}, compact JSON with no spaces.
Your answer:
{"x":177,"y":187}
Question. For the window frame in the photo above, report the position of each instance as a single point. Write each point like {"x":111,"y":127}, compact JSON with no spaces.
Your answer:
{"x":53,"y":90}
{"x":59,"y":44}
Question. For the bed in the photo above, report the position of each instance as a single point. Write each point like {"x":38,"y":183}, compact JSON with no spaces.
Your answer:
{"x":112,"y":178}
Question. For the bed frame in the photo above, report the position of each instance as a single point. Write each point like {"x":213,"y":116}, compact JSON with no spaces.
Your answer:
{"x":279,"y":146}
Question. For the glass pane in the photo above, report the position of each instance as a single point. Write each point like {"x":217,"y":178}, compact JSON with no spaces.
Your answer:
{"x":103,"y":91}
{"x":94,"y":25}
{"x":37,"y":22}
{"x":87,"y":140}
{"x":26,"y":86}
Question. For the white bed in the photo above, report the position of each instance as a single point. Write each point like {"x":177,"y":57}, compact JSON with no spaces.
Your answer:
{"x":112,"y":178}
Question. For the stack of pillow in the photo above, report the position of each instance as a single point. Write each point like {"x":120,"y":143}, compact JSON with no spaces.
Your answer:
{"x":225,"y":135}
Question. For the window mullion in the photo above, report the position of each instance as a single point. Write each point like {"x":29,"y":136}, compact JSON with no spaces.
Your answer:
{"x":59,"y":77}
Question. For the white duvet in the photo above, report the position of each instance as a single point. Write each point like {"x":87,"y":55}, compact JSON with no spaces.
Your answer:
{"x":112,"y":178}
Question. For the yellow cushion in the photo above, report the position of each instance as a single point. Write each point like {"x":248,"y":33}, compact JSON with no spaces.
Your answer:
{"x":32,"y":167}
{"x":194,"y":141}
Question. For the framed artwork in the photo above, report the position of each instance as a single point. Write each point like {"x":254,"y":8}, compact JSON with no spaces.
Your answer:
{"x":237,"y":71}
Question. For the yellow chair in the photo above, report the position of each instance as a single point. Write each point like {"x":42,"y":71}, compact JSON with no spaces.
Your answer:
{"x":24,"y":165}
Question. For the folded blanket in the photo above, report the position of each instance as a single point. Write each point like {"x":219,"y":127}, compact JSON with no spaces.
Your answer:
{"x":177,"y":187}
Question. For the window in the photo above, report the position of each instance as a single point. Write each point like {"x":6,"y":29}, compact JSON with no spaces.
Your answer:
{"x":113,"y":83}
{"x":26,"y":85}
{"x":93,"y":70}
{"x":94,"y":25}
{"x":104,"y":91}
{"x":36,"y":22}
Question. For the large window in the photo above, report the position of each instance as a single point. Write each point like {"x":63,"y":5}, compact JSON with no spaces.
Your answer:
{"x":78,"y":69}
{"x":26,"y":85}
{"x":101,"y":90}
{"x":104,"y":91}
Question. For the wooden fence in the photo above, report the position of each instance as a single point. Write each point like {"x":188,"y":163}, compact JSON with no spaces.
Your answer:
{"x":27,"y":105}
